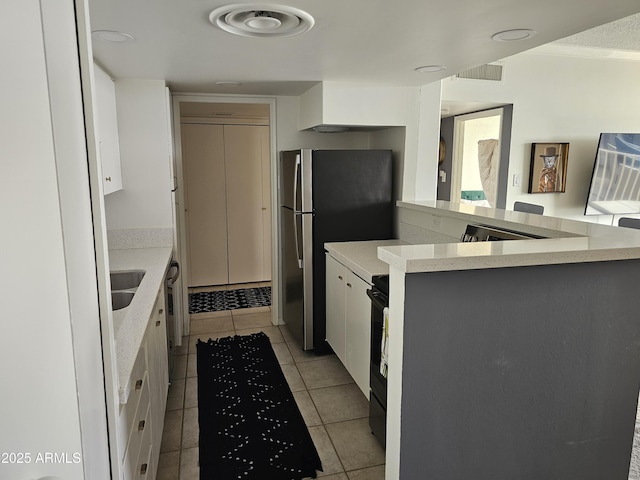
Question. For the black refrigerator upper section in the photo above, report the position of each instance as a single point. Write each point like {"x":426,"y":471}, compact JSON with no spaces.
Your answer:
{"x":352,"y":201}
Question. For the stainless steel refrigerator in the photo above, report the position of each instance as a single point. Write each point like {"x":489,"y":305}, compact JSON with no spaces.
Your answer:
{"x":326,"y":196}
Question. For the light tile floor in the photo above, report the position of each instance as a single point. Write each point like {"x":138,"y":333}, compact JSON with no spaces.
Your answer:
{"x":334,"y":408}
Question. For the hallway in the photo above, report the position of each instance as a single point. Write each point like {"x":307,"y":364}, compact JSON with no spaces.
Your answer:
{"x":334,"y":409}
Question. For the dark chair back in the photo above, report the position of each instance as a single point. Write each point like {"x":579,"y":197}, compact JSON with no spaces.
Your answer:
{"x":629,"y":222}
{"x":528,"y":208}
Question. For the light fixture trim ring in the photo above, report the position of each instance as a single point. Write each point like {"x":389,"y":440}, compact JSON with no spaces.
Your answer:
{"x":514,"y":35}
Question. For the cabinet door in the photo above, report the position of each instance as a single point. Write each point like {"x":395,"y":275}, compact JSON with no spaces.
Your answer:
{"x":358,"y":330}
{"x":336,"y":332}
{"x":107,"y":131}
{"x":205,"y":204}
{"x":244,"y":150}
{"x":265,"y":146}
{"x":158,"y":370}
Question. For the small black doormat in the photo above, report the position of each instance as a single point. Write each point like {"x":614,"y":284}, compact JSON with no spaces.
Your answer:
{"x":229,"y":299}
{"x":250,"y":425}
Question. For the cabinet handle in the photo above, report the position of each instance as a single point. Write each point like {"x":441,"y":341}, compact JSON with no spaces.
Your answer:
{"x":138,"y":384}
{"x":141,"y":425}
{"x":108,"y":179}
{"x":143,"y":469}
{"x":348,"y":285}
{"x":158,"y":322}
{"x":340,"y":277}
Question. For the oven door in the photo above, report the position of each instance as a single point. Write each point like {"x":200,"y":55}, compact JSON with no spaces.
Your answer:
{"x":377,"y":381}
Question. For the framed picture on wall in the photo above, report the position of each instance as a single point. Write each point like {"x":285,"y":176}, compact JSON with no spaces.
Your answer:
{"x":548,"y":172}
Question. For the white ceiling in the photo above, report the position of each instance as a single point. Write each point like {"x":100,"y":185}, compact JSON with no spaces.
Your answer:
{"x":363,"y":41}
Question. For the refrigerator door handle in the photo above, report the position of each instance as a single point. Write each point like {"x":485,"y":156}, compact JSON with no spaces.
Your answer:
{"x":296,"y":173}
{"x":296,"y":217}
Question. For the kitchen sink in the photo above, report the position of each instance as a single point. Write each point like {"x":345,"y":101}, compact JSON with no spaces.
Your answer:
{"x":123,"y":287}
{"x":126,"y":279}
{"x":121,"y":300}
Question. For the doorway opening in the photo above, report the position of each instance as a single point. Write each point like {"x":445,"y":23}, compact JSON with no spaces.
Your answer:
{"x":476,"y":158}
{"x":475,"y":167}
{"x":224,"y":204}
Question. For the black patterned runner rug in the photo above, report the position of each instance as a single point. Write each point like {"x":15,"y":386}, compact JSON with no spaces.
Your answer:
{"x":229,"y":299}
{"x":250,"y":425}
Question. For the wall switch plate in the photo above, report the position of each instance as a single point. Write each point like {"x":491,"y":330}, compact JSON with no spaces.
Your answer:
{"x":517,"y":179}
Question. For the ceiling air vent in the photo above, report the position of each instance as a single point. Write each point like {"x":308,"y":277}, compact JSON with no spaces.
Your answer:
{"x":261,"y":20}
{"x":490,"y":71}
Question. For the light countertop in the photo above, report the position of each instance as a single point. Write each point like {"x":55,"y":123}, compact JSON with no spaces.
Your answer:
{"x":572,"y":242}
{"x":130,"y":323}
{"x":361,"y":257}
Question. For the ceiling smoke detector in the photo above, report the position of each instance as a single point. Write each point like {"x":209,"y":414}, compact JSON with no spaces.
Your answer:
{"x":261,"y":20}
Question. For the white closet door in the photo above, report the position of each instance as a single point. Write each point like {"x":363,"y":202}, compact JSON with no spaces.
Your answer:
{"x":243,"y":162}
{"x":266,"y":203}
{"x":206,"y":218}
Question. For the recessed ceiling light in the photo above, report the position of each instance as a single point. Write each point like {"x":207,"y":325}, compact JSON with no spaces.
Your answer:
{"x":430,"y":68}
{"x":228,"y":84}
{"x":112,"y":36}
{"x":261,"y":20}
{"x":514,"y":35}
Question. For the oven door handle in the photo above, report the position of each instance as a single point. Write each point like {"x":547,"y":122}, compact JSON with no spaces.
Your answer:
{"x":375,"y":299}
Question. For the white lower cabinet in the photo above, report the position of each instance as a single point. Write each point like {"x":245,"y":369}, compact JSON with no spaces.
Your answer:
{"x":336,"y":325}
{"x":349,"y":321}
{"x":158,"y":372}
{"x":141,"y":419}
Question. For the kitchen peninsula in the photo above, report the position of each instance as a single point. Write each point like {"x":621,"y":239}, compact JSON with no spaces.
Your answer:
{"x":514,"y":359}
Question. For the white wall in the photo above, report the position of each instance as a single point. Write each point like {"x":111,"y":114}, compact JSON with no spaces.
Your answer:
{"x":70,"y":145}
{"x":145,"y":200}
{"x":290,"y":138}
{"x":424,"y":132}
{"x":40,"y":410}
{"x":337,"y":103}
{"x":560,"y":99}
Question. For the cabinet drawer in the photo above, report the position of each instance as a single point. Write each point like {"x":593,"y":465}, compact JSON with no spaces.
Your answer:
{"x":158,"y":307}
{"x":141,"y":428}
{"x":138,"y":370}
{"x":138,"y":382}
{"x":145,"y":466}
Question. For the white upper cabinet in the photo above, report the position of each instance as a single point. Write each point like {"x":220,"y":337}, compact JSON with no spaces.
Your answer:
{"x":107,"y":131}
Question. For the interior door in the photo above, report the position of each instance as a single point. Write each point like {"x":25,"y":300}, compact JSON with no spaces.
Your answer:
{"x":244,"y":150}
{"x":205,"y":210}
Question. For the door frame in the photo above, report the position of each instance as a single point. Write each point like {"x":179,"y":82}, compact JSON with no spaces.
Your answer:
{"x":458,"y":146}
{"x":506,"y":115}
{"x":182,"y":254}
